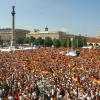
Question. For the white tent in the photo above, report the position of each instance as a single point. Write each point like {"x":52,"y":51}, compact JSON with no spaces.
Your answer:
{"x":72,"y":53}
{"x":89,"y":47}
{"x":6,"y":50}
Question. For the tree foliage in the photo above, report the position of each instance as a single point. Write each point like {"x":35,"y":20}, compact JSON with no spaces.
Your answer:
{"x":68,"y":42}
{"x":56,"y":43}
{"x":27,"y":40}
{"x":78,"y":42}
{"x":48,"y":42}
{"x":39,"y":41}
{"x":82,"y":42}
{"x":20,"y":40}
{"x":63,"y":42}
{"x":32,"y":39}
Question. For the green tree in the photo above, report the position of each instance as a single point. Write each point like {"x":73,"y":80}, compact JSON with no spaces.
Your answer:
{"x":56,"y":43}
{"x":68,"y":42}
{"x":32,"y":39}
{"x":84,"y":41}
{"x":36,"y":42}
{"x":75,"y":42}
{"x":20,"y":40}
{"x":81,"y":41}
{"x":48,"y":41}
{"x":27,"y":40}
{"x":63,"y":42}
{"x":39,"y":41}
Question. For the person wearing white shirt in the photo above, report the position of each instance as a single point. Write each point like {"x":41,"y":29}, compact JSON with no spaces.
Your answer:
{"x":10,"y":98}
{"x":0,"y":98}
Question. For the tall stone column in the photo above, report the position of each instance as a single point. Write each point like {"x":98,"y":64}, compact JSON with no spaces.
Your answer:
{"x":13,"y":27}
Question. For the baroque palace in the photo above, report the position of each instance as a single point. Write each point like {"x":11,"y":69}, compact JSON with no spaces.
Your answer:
{"x":5,"y":34}
{"x":52,"y":35}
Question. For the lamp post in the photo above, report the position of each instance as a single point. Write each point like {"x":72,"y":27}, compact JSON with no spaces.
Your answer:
{"x":77,"y":43}
{"x":83,"y":41}
{"x":72,"y":42}
{"x":13,"y":27}
{"x":68,"y":43}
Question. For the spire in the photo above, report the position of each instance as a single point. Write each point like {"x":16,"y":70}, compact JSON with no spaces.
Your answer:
{"x":46,"y":29}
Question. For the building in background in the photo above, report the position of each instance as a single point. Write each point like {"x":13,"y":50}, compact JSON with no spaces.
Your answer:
{"x":52,"y":35}
{"x":5,"y":34}
{"x":93,"y":41}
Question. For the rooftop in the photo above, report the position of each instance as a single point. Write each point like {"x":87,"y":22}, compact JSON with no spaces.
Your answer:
{"x":91,"y":39}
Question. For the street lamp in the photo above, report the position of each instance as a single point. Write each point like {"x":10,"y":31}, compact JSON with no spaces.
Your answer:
{"x":72,"y":42}
{"x":67,"y":42}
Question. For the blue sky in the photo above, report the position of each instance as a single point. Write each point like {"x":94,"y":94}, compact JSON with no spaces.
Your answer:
{"x":74,"y":16}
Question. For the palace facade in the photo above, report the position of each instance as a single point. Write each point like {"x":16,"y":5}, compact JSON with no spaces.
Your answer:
{"x":5,"y":34}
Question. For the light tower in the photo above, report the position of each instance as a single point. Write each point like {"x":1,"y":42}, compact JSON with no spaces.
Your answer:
{"x":13,"y":27}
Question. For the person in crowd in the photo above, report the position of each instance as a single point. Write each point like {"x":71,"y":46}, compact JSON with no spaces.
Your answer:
{"x":47,"y":74}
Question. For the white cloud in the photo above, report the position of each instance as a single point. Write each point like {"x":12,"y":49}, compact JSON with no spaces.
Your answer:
{"x":64,"y":29}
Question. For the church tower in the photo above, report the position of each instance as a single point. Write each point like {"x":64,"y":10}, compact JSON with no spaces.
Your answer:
{"x":46,"y":29}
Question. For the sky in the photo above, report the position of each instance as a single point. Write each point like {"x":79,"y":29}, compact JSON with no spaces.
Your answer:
{"x":74,"y":16}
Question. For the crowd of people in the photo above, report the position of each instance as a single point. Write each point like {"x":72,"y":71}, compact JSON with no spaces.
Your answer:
{"x":48,"y":74}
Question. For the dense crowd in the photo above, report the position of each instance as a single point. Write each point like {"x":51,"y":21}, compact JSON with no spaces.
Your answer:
{"x":48,"y":74}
